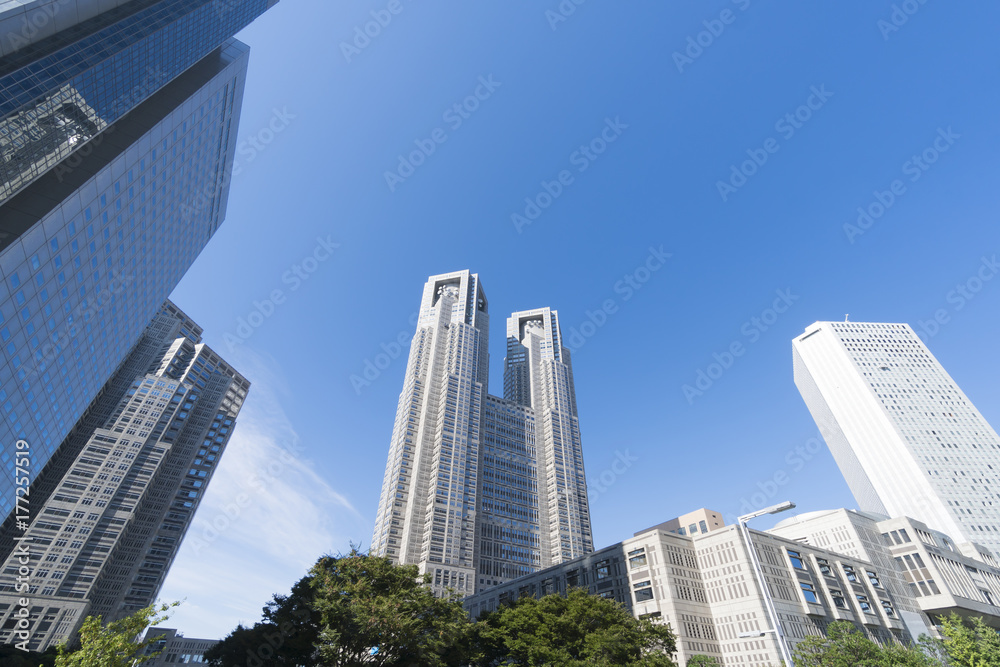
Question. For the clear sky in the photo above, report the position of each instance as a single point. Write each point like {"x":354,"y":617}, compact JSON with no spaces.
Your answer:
{"x":738,"y":137}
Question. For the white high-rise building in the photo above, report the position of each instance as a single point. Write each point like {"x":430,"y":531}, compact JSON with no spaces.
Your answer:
{"x":906,"y":438}
{"x":479,"y":489}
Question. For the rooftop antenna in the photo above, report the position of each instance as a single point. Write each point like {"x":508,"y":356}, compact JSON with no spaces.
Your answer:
{"x":847,"y":317}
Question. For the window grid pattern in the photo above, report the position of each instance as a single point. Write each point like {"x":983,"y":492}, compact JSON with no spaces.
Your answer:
{"x":80,"y":286}
{"x":950,"y":476}
{"x":60,"y":93}
{"x":110,"y":530}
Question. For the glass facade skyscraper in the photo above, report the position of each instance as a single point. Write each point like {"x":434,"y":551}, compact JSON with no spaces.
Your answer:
{"x":113,"y":120}
{"x":62,"y":91}
{"x":109,"y":515}
{"x":479,"y":489}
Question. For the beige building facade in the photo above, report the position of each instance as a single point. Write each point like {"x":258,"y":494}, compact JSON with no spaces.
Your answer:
{"x":704,"y":587}
{"x":693,"y":523}
{"x":940,"y":575}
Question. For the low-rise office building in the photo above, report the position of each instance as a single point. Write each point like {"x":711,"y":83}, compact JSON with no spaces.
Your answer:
{"x":173,"y":648}
{"x":942,"y":576}
{"x":704,"y":586}
{"x":693,"y":523}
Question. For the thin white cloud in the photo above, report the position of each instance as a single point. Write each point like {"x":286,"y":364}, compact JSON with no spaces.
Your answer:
{"x":265,"y":519}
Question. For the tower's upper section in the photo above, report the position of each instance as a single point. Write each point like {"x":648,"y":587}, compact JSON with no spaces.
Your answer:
{"x":534,"y":338}
{"x":460,"y":291}
{"x":540,"y":322}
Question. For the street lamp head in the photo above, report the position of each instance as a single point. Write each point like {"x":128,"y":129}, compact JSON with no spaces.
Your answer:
{"x":773,"y":509}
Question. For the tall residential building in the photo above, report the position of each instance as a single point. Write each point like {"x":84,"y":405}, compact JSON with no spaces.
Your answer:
{"x":109,"y":513}
{"x":906,"y":438}
{"x":478,"y":489}
{"x":119,"y":120}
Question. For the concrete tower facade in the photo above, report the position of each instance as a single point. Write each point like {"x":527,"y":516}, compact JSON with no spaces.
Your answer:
{"x":907,"y":439}
{"x":427,"y":514}
{"x":479,"y":489}
{"x":109,"y":512}
{"x":538,"y":374}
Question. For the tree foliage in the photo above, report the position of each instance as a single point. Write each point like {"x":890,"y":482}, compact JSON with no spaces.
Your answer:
{"x":572,"y":631}
{"x":845,"y":646}
{"x":11,"y":656}
{"x":285,"y":638}
{"x":354,"y":609}
{"x":970,"y":645}
{"x":702,"y":661}
{"x":114,"y":644}
{"x":373,"y":612}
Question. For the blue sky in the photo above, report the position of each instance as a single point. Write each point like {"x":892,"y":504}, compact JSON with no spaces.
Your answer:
{"x":866,"y":95}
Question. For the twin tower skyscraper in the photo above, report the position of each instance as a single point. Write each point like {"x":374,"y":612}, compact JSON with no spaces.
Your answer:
{"x":479,"y":490}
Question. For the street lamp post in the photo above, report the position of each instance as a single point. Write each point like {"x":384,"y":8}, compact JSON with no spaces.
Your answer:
{"x":772,"y":612}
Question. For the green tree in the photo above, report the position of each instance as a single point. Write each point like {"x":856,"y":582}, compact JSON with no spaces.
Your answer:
{"x":972,"y":645}
{"x":702,"y":661}
{"x":284,"y":638}
{"x":114,"y":644}
{"x":845,"y":646}
{"x":572,"y":631}
{"x":11,"y":656}
{"x":350,"y":610}
{"x":373,"y":612}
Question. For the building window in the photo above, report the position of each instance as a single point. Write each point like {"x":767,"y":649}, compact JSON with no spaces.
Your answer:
{"x":850,"y":574}
{"x":824,"y":567}
{"x":636,"y":558}
{"x":796,"y":559}
{"x":873,"y":578}
{"x":703,"y":526}
{"x":864,"y":604}
{"x":603,"y":569}
{"x":838,"y":599}
{"x":809,"y":592}
{"x":643,"y":591}
{"x":889,"y":611}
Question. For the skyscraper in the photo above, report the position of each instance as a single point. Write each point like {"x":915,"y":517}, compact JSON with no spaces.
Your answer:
{"x":538,"y":375}
{"x":906,"y":438}
{"x":72,"y":68}
{"x":478,"y":489}
{"x":110,"y":511}
{"x":116,"y":116}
